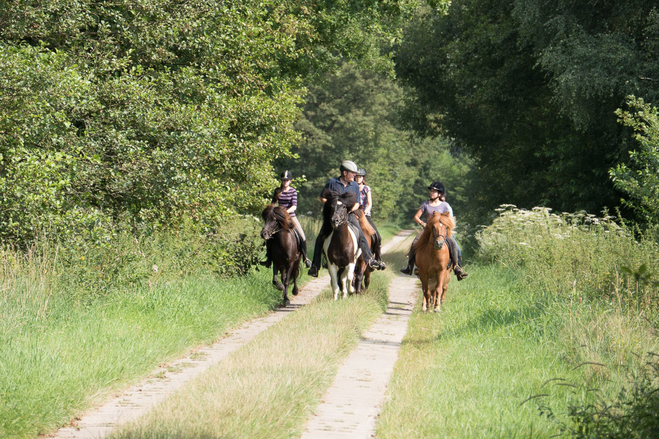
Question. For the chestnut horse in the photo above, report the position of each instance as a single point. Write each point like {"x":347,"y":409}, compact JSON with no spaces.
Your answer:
{"x":280,"y":237}
{"x":340,"y":247}
{"x":432,"y":259}
{"x":362,"y":270}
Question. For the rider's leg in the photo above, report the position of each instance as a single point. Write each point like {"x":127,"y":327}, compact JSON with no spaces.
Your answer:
{"x":267,"y":261}
{"x":303,"y":242}
{"x":363,"y":245}
{"x":377,"y":241}
{"x":410,"y":258}
{"x":318,"y":250}
{"x":456,"y":255}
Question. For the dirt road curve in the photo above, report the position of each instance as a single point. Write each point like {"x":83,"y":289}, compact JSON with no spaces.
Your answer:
{"x":342,"y":414}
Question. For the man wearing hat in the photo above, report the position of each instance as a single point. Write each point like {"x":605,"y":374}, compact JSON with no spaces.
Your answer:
{"x":342,"y":184}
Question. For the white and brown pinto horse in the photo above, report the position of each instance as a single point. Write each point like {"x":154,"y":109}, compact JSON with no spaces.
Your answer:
{"x":341,"y":247}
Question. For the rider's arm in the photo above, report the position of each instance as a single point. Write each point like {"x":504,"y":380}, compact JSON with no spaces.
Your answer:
{"x":293,"y":207}
{"x":369,"y":203}
{"x":417,"y":218}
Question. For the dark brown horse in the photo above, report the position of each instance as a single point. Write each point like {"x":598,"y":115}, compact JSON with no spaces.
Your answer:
{"x":280,"y":238}
{"x":362,"y":270}
{"x":432,"y":259}
{"x":340,"y":246}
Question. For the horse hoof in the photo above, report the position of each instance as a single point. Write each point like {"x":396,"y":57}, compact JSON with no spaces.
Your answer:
{"x":295,"y":291}
{"x":286,"y":302}
{"x":280,"y":287}
{"x":437,"y":310}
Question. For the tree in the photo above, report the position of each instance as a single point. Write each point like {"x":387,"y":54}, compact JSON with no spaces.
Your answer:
{"x":529,"y":88}
{"x":640,"y":178}
{"x":353,"y":115}
{"x":148,"y":111}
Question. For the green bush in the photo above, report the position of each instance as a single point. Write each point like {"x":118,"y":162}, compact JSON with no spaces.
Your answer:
{"x":569,"y":253}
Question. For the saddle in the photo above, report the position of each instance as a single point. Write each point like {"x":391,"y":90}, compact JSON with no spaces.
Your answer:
{"x":355,"y":229}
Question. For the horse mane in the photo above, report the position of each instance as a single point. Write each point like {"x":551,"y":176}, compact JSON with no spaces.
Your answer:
{"x":280,"y":215}
{"x":276,"y":195}
{"x":363,"y":222}
{"x":347,"y":198}
{"x":426,"y":235}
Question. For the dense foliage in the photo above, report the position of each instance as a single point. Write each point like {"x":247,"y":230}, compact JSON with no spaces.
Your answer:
{"x":150,"y":111}
{"x":640,"y":178}
{"x":353,"y":114}
{"x":530,"y":89}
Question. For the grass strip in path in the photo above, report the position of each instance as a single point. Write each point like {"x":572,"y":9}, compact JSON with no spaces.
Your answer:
{"x":269,"y":387}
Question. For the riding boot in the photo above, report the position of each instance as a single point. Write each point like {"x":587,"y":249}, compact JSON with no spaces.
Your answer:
{"x":410,"y":262}
{"x":318,"y":252}
{"x":303,"y":250}
{"x":456,"y":256}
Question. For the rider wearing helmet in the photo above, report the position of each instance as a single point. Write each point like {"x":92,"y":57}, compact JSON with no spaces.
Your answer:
{"x":286,"y":196}
{"x":365,"y":200}
{"x":436,"y":203}
{"x":344,"y":183}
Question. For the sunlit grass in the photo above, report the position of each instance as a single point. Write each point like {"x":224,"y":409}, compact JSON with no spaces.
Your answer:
{"x":269,"y":388}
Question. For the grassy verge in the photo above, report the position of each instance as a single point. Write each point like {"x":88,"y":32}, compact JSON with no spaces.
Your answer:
{"x":468,"y":371}
{"x":75,"y":356}
{"x":526,"y":342}
{"x":269,"y":387}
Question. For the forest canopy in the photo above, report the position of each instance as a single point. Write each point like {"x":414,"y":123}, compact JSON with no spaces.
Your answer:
{"x":147,"y":112}
{"x":529,"y":89}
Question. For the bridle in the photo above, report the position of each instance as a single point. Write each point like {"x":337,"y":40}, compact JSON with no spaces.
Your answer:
{"x":437,"y":236}
{"x":270,"y":233}
{"x":343,"y":215}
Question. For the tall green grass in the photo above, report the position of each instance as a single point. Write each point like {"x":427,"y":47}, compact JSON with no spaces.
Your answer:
{"x":549,"y":313}
{"x":78,"y":323}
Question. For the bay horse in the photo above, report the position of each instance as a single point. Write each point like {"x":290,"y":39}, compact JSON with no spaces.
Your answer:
{"x":340,"y":247}
{"x":432,"y":259}
{"x":362,"y":270}
{"x":281,"y":240}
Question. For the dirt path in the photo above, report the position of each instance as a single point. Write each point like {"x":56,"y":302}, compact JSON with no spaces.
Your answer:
{"x":371,"y":366}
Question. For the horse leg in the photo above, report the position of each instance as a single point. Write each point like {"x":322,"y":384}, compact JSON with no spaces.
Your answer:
{"x":438,"y":290}
{"x":358,"y":276}
{"x":350,"y":275}
{"x":275,"y":280}
{"x":286,"y":278}
{"x":447,"y":278}
{"x":333,"y":280}
{"x":341,"y":281}
{"x":296,"y":272}
{"x":367,"y":279}
{"x":426,"y":294}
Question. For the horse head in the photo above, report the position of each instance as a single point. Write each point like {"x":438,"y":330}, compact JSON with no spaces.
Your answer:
{"x":275,"y":219}
{"x":339,"y":213}
{"x":337,"y":206}
{"x":441,"y":225}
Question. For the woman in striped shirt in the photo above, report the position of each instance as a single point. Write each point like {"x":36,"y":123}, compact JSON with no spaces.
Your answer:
{"x":286,"y":197}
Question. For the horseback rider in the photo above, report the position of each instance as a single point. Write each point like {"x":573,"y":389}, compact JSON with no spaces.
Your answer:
{"x":286,"y":196}
{"x":365,"y":200}
{"x":344,"y":183}
{"x":436,"y":203}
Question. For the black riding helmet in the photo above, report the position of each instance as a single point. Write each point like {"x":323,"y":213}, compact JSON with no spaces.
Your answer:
{"x":439,"y":187}
{"x":286,"y":175}
{"x":361,"y":172}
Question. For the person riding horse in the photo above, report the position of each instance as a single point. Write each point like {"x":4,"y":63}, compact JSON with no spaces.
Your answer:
{"x":436,"y":203}
{"x":344,"y":183}
{"x":286,"y":197}
{"x":366,"y":204}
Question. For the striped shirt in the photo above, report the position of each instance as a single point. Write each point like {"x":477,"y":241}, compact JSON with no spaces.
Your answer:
{"x":363,"y":197}
{"x":288,"y":199}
